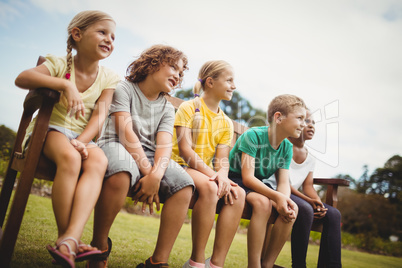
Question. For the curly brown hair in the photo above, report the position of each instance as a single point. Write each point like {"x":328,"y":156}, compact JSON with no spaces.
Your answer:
{"x":151,"y":60}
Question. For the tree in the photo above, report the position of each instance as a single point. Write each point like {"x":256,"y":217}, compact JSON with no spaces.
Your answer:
{"x":387,"y":181}
{"x":238,"y":109}
{"x":7,"y":139}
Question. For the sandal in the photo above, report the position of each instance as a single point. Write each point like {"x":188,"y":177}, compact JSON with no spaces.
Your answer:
{"x":60,"y":258}
{"x":86,"y":255}
{"x":83,"y":256}
{"x":149,"y":264}
{"x":103,"y":256}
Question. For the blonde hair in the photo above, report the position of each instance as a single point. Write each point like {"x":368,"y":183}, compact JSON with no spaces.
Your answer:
{"x":151,"y":60}
{"x":82,"y":21}
{"x":284,"y":104}
{"x":210,"y":69}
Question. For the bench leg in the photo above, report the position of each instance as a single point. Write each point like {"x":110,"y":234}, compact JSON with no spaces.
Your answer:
{"x":5,"y":195}
{"x":14,"y":219}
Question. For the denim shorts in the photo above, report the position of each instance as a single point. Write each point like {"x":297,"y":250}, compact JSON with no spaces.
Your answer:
{"x":175,"y":178}
{"x":236,"y":177}
{"x":67,"y":132}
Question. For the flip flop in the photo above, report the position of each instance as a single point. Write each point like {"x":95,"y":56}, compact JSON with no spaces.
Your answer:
{"x":60,"y":258}
{"x":83,"y":256}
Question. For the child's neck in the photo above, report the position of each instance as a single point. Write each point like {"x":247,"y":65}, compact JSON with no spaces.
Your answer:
{"x":211,"y":102}
{"x":148,"y":89}
{"x":275,"y":136}
{"x":85,"y":66}
{"x":297,"y":142}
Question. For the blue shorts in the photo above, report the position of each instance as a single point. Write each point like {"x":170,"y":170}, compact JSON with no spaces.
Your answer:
{"x":236,"y":177}
{"x":67,"y":132}
{"x":175,"y":178}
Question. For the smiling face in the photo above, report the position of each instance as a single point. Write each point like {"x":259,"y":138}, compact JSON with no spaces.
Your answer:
{"x":309,"y":129}
{"x":223,"y":86}
{"x":294,"y":122}
{"x":168,"y":76}
{"x":97,"y":40}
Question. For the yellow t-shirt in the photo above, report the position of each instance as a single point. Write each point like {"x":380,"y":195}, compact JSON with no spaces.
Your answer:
{"x":216,"y":128}
{"x":106,"y":79}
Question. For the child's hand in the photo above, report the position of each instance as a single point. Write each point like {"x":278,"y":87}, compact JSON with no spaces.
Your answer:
{"x":146,"y":191}
{"x":286,"y":208}
{"x":224,"y":186}
{"x":75,"y":105}
{"x":320,"y":212}
{"x":80,"y":147}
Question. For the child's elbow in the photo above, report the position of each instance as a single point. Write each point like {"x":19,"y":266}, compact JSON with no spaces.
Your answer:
{"x":20,"y":81}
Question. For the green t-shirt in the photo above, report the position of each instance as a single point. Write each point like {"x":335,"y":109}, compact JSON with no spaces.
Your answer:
{"x":255,"y":143}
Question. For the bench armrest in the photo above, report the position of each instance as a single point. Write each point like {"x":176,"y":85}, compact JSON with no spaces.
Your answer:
{"x":332,"y":189}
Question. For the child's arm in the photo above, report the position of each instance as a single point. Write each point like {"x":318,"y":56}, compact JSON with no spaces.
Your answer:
{"x":221,"y":165}
{"x":188,"y":154}
{"x":194,"y":161}
{"x":148,"y":187}
{"x":314,"y":199}
{"x":95,"y":123}
{"x":40,"y":77}
{"x":98,"y":117}
{"x":124,"y":129}
{"x":283,"y":204}
{"x":283,"y":186}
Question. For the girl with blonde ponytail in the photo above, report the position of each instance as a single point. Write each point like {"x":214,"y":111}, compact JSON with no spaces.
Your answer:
{"x":86,"y":93}
{"x":202,"y":139}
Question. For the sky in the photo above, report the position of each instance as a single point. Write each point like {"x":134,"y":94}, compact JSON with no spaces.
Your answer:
{"x":342,"y":57}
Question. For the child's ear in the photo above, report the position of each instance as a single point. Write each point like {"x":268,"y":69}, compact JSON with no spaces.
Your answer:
{"x":209,"y":82}
{"x":278,"y":117}
{"x":76,"y":34}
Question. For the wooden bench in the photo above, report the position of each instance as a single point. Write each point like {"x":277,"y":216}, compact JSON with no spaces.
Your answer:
{"x":33,"y":164}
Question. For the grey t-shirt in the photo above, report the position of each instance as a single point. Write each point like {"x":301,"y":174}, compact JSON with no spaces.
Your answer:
{"x":148,"y":117}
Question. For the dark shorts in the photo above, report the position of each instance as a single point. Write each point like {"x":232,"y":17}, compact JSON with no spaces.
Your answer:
{"x":236,"y":177}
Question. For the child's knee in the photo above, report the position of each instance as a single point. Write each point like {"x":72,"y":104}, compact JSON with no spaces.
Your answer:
{"x":119,"y":183}
{"x":208,"y":190}
{"x":98,"y":160}
{"x":261,"y":204}
{"x":71,"y":160}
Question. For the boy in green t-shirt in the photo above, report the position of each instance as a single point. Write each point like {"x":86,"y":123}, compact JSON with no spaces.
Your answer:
{"x":257,"y":154}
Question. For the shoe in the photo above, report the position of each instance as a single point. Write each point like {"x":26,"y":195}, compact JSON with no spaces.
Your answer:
{"x":208,"y":263}
{"x":59,"y":257}
{"x":188,"y":265}
{"x":103,"y":256}
{"x":148,"y":264}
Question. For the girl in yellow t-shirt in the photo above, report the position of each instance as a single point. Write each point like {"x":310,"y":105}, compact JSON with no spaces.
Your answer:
{"x":201,"y":144}
{"x":86,"y":93}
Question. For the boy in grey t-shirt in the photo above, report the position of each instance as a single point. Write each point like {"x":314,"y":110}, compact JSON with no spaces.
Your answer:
{"x":137,"y":139}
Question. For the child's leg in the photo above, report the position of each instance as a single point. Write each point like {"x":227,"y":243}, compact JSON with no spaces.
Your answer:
{"x":226,"y":227}
{"x":111,"y":200}
{"x":172,"y":217}
{"x":68,"y":161}
{"x":256,"y":233}
{"x":279,"y":234}
{"x":88,"y":190}
{"x":330,"y":245}
{"x":203,"y":215}
{"x":301,"y":231}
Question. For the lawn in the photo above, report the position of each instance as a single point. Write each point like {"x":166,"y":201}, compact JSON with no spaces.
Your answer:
{"x":134,"y":238}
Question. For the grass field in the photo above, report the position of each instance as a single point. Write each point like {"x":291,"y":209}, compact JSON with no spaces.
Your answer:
{"x":134,"y":238}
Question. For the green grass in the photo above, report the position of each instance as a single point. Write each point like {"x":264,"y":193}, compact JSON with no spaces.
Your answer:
{"x":134,"y":239}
